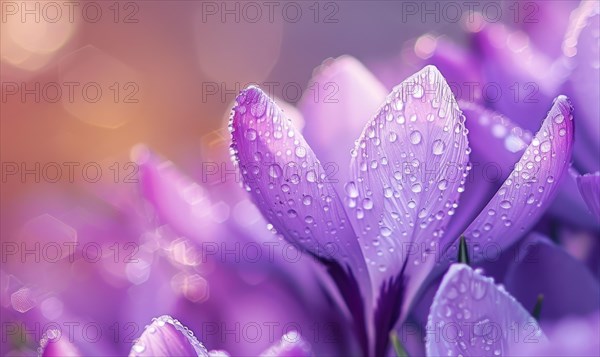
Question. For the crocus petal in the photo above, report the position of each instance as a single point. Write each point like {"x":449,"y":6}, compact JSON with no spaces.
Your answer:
{"x":53,"y":344}
{"x":290,"y":345}
{"x":177,"y":199}
{"x":544,"y":268}
{"x":292,"y":189}
{"x":166,"y":336}
{"x":341,"y":96}
{"x":531,"y":186}
{"x":497,"y":144}
{"x":568,"y":337}
{"x":408,"y":168}
{"x":589,"y":187}
{"x":582,"y":48}
{"x":471,"y":316}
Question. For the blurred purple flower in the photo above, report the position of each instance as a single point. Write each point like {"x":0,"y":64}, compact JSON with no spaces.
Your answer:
{"x":589,"y":186}
{"x":574,"y":336}
{"x":518,"y":71}
{"x":391,"y":202}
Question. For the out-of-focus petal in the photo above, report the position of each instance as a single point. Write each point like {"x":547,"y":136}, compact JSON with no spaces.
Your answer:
{"x":589,"y":187}
{"x":544,"y":268}
{"x":166,"y":336}
{"x":461,"y":68}
{"x":568,"y":337}
{"x":545,"y":22}
{"x":569,"y":204}
{"x":408,"y":168}
{"x":531,"y":186}
{"x":582,"y":47}
{"x":177,"y":199}
{"x":290,"y":345}
{"x":471,"y":316}
{"x":54,"y":344}
{"x":520,"y":80}
{"x":292,"y":189}
{"x":341,"y":96}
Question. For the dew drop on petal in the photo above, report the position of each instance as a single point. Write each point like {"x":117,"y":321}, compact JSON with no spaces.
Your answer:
{"x":416,"y":187}
{"x":505,"y":204}
{"x":415,"y":137}
{"x":385,"y":231}
{"x":438,"y":147}
{"x":251,"y":134}
{"x":351,"y":189}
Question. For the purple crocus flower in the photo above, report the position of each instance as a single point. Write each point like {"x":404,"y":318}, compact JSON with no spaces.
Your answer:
{"x":401,"y":193}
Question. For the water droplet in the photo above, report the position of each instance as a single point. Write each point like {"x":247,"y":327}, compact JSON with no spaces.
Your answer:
{"x":438,"y":147}
{"x":505,"y":204}
{"x":416,"y":187}
{"x":311,"y":176}
{"x":393,"y":137}
{"x":388,"y":192}
{"x":418,"y":91}
{"x":307,"y":200}
{"x":478,"y":289}
{"x":300,"y":151}
{"x":292,"y":213}
{"x":443,"y":184}
{"x":559,"y":118}
{"x":309,"y":219}
{"x":546,"y":146}
{"x":367,"y":203}
{"x":275,"y":171}
{"x":530,"y":199}
{"x":385,"y":231}
{"x":415,"y":137}
{"x":251,"y":134}
{"x":139,"y":348}
{"x":351,"y":189}
{"x":398,"y":104}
